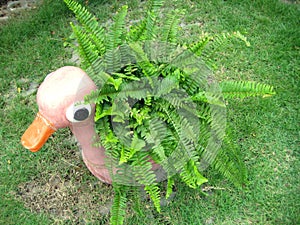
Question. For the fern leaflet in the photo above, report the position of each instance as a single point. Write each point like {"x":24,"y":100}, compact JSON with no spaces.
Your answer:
{"x":243,"y":89}
{"x":119,"y":205}
{"x":154,"y":193}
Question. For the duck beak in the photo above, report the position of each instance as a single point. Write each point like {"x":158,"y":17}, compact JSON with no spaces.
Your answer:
{"x":37,"y":133}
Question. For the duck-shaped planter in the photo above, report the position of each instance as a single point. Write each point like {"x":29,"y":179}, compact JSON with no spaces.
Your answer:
{"x":61,"y":104}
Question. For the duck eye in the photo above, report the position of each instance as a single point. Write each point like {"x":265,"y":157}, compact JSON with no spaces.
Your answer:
{"x":78,"y":112}
{"x":81,"y":114}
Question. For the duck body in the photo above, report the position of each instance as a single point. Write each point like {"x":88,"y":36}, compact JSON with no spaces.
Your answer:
{"x":60,"y":99}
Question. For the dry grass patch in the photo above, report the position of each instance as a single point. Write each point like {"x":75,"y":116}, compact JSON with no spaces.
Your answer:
{"x":72,"y":197}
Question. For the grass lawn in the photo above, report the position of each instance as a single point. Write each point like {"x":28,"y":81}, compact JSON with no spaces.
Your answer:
{"x":54,"y":187}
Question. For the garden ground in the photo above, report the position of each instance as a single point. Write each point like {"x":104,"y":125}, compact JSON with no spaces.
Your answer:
{"x":54,"y":187}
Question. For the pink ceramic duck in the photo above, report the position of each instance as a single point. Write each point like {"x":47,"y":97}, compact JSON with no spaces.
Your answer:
{"x":60,"y":100}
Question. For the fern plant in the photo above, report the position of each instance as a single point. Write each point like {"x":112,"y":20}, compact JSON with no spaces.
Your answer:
{"x":159,"y":112}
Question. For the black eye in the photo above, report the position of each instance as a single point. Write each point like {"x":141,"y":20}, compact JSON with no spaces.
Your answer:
{"x":81,"y":114}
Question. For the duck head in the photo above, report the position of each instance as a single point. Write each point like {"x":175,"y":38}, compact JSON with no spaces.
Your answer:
{"x":60,"y":99}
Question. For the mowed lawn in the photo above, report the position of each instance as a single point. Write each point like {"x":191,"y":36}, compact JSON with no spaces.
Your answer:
{"x":54,"y":187}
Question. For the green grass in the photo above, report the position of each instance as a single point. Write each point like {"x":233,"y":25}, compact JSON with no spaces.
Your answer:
{"x":54,"y":187}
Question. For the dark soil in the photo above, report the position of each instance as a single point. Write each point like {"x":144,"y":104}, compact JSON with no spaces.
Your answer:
{"x":3,"y":2}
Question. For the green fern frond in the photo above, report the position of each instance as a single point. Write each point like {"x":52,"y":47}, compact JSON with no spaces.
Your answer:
{"x":151,"y":19}
{"x":136,"y":32}
{"x":191,"y":175}
{"x":154,"y":193}
{"x":116,"y":36}
{"x":156,"y":136}
{"x":147,"y":28}
{"x":144,"y":63}
{"x":127,"y":153}
{"x":212,"y":132}
{"x":119,"y":205}
{"x":158,"y":153}
{"x":139,"y":89}
{"x":102,"y":94}
{"x":165,"y":86}
{"x":204,"y":112}
{"x":184,"y":140}
{"x":90,"y":37}
{"x":225,"y":38}
{"x":170,"y":28}
{"x":89,"y":24}
{"x":183,"y":127}
{"x":243,"y":89}
{"x":155,"y":5}
{"x":216,"y":128}
{"x":197,"y":47}
{"x":238,"y":35}
{"x":107,"y":139}
{"x":136,"y":90}
{"x":169,"y":187}
{"x":212,"y":45}
{"x":142,"y":172}
{"x":190,"y":86}
{"x":150,"y":28}
{"x":113,"y":61}
{"x":87,"y":50}
{"x":229,"y":163}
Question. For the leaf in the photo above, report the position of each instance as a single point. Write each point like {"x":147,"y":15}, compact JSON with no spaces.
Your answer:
{"x":137,"y":143}
{"x":229,"y":163}
{"x":165,"y":86}
{"x":110,"y":138}
{"x":120,"y":111}
{"x":119,"y":205}
{"x":100,"y":112}
{"x":191,"y":175}
{"x":153,"y":191}
{"x":127,"y":153}
{"x":89,"y":25}
{"x":116,"y":35}
{"x":170,"y":28}
{"x":242,"y":37}
{"x":115,"y":82}
{"x":243,"y":89}
{"x":121,"y":75}
{"x":169,"y":187}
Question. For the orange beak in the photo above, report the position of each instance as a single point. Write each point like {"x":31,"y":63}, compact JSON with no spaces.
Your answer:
{"x":37,"y":133}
